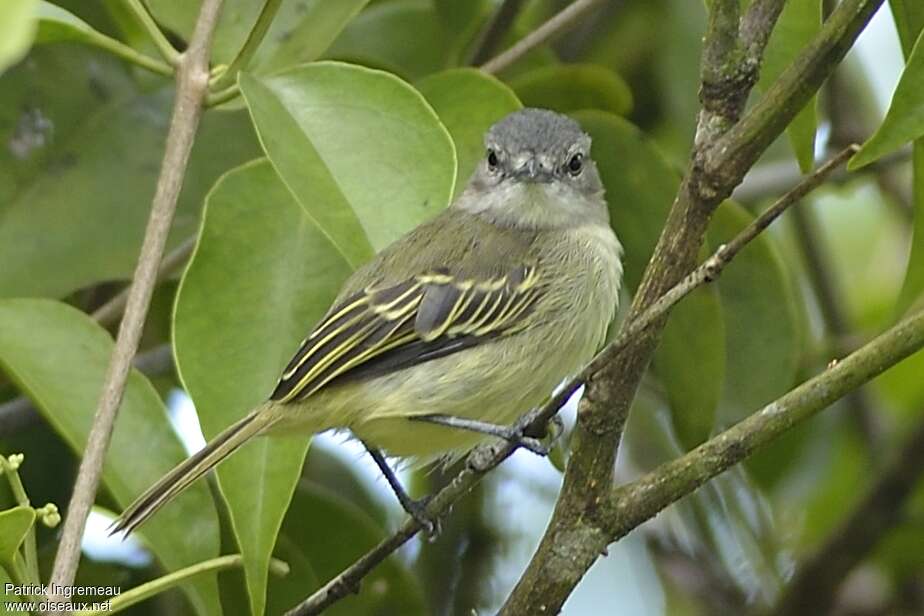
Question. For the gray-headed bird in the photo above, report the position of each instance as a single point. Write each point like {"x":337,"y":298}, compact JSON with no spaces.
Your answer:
{"x":458,"y":328}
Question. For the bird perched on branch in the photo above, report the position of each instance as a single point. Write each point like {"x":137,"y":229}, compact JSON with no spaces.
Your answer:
{"x":458,"y":328}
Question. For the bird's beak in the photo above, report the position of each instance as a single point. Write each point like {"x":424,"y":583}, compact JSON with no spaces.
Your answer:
{"x":532,"y":170}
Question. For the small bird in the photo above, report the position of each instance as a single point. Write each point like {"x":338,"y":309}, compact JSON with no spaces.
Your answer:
{"x":458,"y":328}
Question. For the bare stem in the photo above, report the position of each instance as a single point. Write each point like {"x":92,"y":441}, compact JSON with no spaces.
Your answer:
{"x":557,"y":25}
{"x":192,"y":82}
{"x":486,"y":458}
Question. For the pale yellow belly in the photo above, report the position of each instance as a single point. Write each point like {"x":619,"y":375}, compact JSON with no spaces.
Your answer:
{"x":495,"y":382}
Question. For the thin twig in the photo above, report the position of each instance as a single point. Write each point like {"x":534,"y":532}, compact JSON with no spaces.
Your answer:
{"x":557,"y":25}
{"x":166,"y":50}
{"x":486,"y":458}
{"x":192,"y":83}
{"x":494,"y":32}
{"x":243,"y":57}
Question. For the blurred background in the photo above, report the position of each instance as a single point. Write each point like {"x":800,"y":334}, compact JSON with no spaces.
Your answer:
{"x":831,"y":274}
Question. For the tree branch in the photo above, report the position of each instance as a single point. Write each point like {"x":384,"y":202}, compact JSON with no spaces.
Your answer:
{"x":813,"y":589}
{"x":740,"y":147}
{"x":557,"y":25}
{"x":626,"y":507}
{"x":192,"y":82}
{"x":486,"y":458}
{"x":723,"y":152}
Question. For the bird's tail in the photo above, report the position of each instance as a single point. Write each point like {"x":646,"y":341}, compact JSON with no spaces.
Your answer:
{"x":185,"y":473}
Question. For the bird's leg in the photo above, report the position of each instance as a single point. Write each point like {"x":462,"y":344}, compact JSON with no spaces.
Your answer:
{"x":514,"y":434}
{"x":414,"y":508}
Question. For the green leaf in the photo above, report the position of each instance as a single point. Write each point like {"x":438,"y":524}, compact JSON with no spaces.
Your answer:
{"x":361,"y":151}
{"x":763,"y":332}
{"x":463,"y":22}
{"x":640,"y":187}
{"x":17,"y":29}
{"x":77,"y":178}
{"x":14,"y":526}
{"x":572,"y":87}
{"x":405,"y":37}
{"x":904,"y":121}
{"x":302,"y":31}
{"x":909,"y":19}
{"x":143,"y":447}
{"x":690,"y":362}
{"x":57,"y":25}
{"x":467,"y":102}
{"x":797,"y":25}
{"x":461,"y":15}
{"x":261,"y":275}
{"x":331,"y":533}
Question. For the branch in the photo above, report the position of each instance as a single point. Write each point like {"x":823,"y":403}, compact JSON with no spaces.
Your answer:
{"x":488,"y":457}
{"x":724,"y":150}
{"x":622,"y":509}
{"x":557,"y":25}
{"x":192,"y":81}
{"x":171,"y":55}
{"x":813,"y":588}
{"x":497,"y":27}
{"x":738,"y":149}
{"x":628,"y":506}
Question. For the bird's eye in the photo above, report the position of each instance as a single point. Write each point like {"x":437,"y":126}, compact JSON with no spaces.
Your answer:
{"x":492,"y":160}
{"x":576,"y":164}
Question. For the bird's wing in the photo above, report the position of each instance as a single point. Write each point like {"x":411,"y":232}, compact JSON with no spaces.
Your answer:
{"x":380,"y":330}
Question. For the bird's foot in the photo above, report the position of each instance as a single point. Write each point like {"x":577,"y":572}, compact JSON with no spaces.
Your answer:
{"x":517,"y":434}
{"x":417,"y":509}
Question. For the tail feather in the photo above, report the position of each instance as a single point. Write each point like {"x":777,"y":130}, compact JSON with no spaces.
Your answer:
{"x":188,"y":471}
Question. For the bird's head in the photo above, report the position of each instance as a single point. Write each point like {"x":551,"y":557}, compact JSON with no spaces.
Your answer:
{"x":536,"y":172}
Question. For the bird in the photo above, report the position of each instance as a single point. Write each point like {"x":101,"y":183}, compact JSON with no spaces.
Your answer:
{"x":458,"y":328}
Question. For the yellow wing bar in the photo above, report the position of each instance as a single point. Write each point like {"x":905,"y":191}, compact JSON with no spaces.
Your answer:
{"x":378,"y":331}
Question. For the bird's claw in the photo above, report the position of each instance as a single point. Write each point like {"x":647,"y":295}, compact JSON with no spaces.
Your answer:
{"x":430,"y":525}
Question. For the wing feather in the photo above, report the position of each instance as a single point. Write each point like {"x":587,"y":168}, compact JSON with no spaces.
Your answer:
{"x":378,"y":331}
